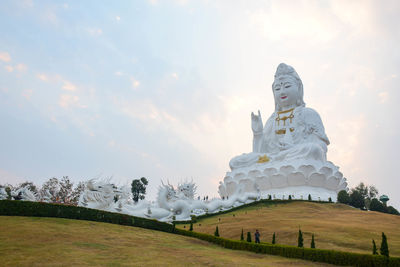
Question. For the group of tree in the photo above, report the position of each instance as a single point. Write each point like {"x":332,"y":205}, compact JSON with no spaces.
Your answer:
{"x":384,"y":250}
{"x":366,"y":198}
{"x":63,"y":190}
{"x":54,"y":190}
{"x":299,"y":239}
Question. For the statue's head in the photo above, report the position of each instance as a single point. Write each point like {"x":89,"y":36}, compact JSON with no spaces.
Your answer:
{"x":287,"y":88}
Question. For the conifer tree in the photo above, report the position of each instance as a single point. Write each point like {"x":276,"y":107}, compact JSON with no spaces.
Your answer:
{"x":300,"y":239}
{"x":384,"y":246}
{"x":191,"y":227}
{"x":290,"y":197}
{"x":312,"y":241}
{"x":242,"y":236}
{"x":330,"y":199}
{"x":248,"y":237}
{"x":309,"y":197}
{"x":273,"y":238}
{"x":216,"y":231}
{"x":374,"y":250}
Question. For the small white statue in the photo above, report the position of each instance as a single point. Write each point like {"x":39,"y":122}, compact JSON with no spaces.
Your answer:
{"x":24,"y":194}
{"x":100,"y":195}
{"x":289,"y":151}
{"x":3,"y":193}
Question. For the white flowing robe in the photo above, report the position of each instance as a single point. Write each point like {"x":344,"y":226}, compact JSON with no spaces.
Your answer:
{"x":304,"y":138}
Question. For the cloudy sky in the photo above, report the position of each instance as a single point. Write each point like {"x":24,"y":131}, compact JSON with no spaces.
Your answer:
{"x":164,"y":89}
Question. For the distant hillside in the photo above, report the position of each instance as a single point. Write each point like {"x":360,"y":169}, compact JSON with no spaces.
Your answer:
{"x":32,"y":241}
{"x":335,"y":226}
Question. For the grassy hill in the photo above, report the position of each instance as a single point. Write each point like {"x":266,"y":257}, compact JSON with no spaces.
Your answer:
{"x":31,"y":241}
{"x":335,"y":226}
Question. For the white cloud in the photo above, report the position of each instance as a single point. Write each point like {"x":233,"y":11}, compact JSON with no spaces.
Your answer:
{"x":383,"y":97}
{"x":26,"y":3}
{"x":27,"y":94}
{"x":21,"y":67}
{"x":111,"y":143}
{"x":135,"y":83}
{"x":282,"y":20}
{"x":117,"y":18}
{"x":4,"y":56}
{"x":153,"y":2}
{"x":68,"y":86}
{"x":95,"y":31}
{"x":118,"y":73}
{"x":175,"y":75}
{"x":67,"y":101}
{"x":9,"y":68}
{"x":42,"y":77}
{"x":8,"y":177}
{"x":348,"y":138}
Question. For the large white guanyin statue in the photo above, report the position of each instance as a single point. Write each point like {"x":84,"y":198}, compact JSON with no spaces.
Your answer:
{"x":289,"y":151}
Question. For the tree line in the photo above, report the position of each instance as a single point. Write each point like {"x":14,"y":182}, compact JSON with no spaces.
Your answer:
{"x":366,"y":198}
{"x":53,"y":190}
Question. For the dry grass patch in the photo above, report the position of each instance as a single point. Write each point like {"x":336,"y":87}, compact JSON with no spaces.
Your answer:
{"x":27,"y":241}
{"x":335,"y":226}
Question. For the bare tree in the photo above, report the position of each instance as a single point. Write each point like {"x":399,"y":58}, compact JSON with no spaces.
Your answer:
{"x":51,"y":187}
{"x":65,"y":193}
{"x":77,"y":192}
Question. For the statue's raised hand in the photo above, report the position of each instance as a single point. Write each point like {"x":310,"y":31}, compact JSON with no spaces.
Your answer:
{"x":256,"y":123}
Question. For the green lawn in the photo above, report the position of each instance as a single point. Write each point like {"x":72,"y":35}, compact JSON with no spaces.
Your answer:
{"x":28,"y":241}
{"x":336,"y":226}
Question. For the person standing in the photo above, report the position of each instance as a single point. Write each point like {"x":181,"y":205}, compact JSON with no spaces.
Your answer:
{"x":257,"y":236}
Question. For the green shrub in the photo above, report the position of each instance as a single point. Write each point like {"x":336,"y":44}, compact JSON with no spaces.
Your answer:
{"x":376,"y":205}
{"x":300,"y":239}
{"x":318,"y":255}
{"x":273,"y":238}
{"x":374,"y":250}
{"x":216,"y":233}
{"x":392,"y":210}
{"x":384,"y":246}
{"x":248,"y":237}
{"x":312,"y":241}
{"x":41,"y":209}
{"x":343,"y":197}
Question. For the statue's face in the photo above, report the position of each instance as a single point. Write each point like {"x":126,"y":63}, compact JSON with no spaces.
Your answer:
{"x":286,"y":91}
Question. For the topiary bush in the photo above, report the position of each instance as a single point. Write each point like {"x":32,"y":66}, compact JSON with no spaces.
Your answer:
{"x":300,"y":239}
{"x":312,"y":241}
{"x":248,"y":237}
{"x":216,"y":233}
{"x":374,"y":250}
{"x":384,"y":246}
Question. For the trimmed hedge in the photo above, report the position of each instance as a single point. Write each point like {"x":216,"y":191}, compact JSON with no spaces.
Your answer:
{"x":40,"y":209}
{"x":318,"y":255}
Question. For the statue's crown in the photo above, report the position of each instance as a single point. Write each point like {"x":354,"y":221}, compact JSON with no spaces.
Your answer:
{"x":284,"y":69}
